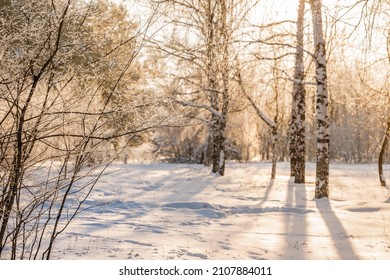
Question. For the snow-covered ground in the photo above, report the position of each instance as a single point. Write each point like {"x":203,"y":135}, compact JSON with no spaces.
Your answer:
{"x":162,"y":211}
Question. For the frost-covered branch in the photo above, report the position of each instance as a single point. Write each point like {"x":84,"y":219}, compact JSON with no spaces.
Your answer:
{"x":200,"y":106}
{"x":258,"y":111}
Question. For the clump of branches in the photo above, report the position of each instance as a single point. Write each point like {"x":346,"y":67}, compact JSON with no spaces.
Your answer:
{"x":64,"y":66}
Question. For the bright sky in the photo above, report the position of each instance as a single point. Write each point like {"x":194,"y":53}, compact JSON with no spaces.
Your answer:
{"x":273,"y":10}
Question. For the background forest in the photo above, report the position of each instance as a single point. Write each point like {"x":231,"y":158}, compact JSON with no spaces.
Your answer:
{"x":84,"y":83}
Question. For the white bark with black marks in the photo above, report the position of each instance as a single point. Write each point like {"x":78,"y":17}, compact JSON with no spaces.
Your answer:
{"x":297,"y":125}
{"x":322,"y":168}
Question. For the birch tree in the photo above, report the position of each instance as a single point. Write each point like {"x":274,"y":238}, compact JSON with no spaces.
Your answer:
{"x":219,"y":102}
{"x":205,"y":51}
{"x":297,"y":125}
{"x":322,"y":162}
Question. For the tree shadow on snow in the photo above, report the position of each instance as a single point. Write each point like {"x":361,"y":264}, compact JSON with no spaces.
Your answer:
{"x":337,"y":231}
{"x":295,"y":224}
{"x":267,"y":192}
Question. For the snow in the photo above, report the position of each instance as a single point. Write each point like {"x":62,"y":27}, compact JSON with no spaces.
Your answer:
{"x":179,"y":211}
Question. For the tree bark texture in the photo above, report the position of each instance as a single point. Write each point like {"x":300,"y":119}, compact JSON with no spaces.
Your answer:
{"x":225,"y":74}
{"x":297,"y":125}
{"x":218,"y":79}
{"x":322,"y":168}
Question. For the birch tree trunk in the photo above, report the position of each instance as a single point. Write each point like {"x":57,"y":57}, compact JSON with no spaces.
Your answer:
{"x":225,"y":73}
{"x":219,"y":63}
{"x":211,"y":89}
{"x":213,"y":92}
{"x":382,"y":153}
{"x":322,"y":168}
{"x":297,"y":125}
